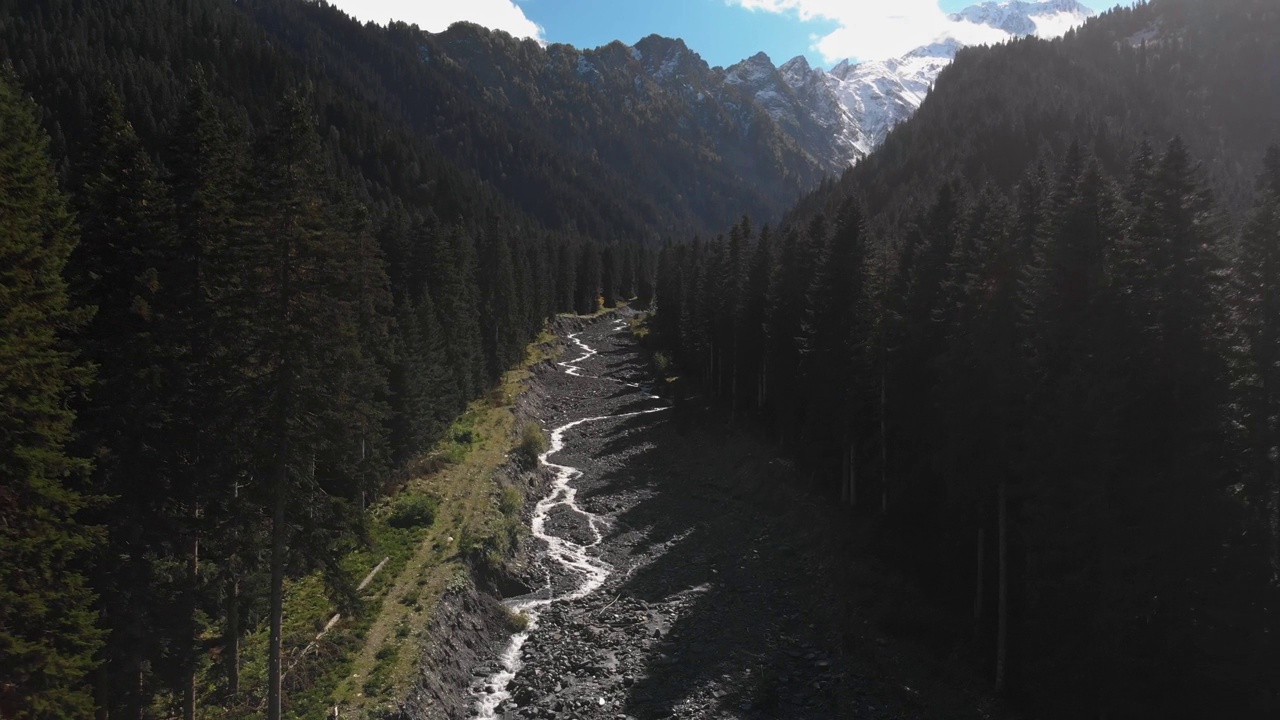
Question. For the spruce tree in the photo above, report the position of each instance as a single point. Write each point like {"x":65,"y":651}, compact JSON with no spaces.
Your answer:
{"x":202,"y":436}
{"x":500,"y":308}
{"x":126,"y":239}
{"x":610,"y":277}
{"x":308,"y":357}
{"x":586,"y":294}
{"x":450,"y":276}
{"x":835,"y":339}
{"x":1257,"y":306}
{"x":48,"y":626}
{"x":753,"y":318}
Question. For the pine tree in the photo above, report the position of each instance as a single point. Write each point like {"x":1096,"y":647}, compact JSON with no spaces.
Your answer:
{"x":201,"y":433}
{"x":610,"y":276}
{"x":1257,"y":305}
{"x":566,"y":277}
{"x":499,"y":316}
{"x":753,"y":318}
{"x":450,"y":275}
{"x":586,"y":294}
{"x":422,"y":389}
{"x":794,"y":272}
{"x":126,"y":239}
{"x":309,"y":356}
{"x":48,"y":631}
{"x":835,"y":339}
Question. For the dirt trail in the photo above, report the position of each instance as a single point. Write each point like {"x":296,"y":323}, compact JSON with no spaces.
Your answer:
{"x":674,"y":587}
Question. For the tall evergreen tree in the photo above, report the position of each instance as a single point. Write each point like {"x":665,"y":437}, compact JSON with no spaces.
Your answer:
{"x":127,"y":237}
{"x":1257,"y":304}
{"x":48,"y":629}
{"x":610,"y":276}
{"x":307,"y":350}
{"x":206,"y":453}
{"x":450,"y":276}
{"x":586,"y":294}
{"x":835,"y":340}
{"x":753,"y":319}
{"x":500,"y":309}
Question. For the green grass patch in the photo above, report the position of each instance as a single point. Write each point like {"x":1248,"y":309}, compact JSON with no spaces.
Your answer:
{"x":379,"y":681}
{"x":413,"y":511}
{"x":456,"y":511}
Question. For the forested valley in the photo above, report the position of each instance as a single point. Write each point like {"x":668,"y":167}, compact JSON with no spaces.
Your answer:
{"x":257,"y":259}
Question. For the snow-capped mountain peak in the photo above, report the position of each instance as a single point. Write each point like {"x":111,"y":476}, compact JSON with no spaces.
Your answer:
{"x":841,"y":115}
{"x":1046,"y":18}
{"x":867,"y":99}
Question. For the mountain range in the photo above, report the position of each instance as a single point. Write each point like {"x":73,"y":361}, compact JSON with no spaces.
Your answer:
{"x":704,"y":143}
{"x":840,"y":115}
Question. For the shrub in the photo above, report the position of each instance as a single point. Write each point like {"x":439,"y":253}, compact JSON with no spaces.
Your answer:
{"x":517,"y":621}
{"x":511,"y":501}
{"x":413,"y":511}
{"x":662,"y":362}
{"x":532,"y":444}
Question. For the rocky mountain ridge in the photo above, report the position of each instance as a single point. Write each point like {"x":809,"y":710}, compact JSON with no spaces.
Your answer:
{"x":856,"y":104}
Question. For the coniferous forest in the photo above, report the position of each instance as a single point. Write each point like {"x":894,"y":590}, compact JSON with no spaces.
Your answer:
{"x":1050,"y":388}
{"x":255,"y":258}
{"x":229,"y":326}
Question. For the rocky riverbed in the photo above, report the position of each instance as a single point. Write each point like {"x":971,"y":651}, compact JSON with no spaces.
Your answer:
{"x":696,"y":586}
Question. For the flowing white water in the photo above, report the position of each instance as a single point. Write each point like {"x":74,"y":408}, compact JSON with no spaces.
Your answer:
{"x":591,"y":571}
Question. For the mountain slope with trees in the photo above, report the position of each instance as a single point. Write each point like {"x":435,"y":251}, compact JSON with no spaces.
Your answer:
{"x":1030,"y":337}
{"x":1206,"y":71}
{"x":261,"y":298}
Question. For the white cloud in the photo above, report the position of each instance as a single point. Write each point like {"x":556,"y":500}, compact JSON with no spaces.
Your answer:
{"x":436,"y":15}
{"x":877,"y":29}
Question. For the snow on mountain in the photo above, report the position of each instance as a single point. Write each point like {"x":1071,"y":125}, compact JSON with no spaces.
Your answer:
{"x":1047,"y":18}
{"x":862,"y":102}
{"x":838,"y":116}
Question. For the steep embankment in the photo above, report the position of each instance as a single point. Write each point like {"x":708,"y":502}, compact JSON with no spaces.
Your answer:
{"x":683,"y":574}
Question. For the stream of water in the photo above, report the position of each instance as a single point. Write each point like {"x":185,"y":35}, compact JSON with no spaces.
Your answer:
{"x":572,"y":557}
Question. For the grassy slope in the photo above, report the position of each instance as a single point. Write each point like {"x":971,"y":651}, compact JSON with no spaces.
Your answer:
{"x":367,"y":661}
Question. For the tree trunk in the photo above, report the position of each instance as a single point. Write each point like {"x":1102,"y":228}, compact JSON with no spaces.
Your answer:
{"x":733,"y":381}
{"x":137,"y":674}
{"x":102,"y":693}
{"x":844,"y":473}
{"x":139,"y":709}
{"x":193,"y":571}
{"x":853,"y":475}
{"x":1275,"y":520}
{"x":764,"y":384}
{"x":274,"y":686}
{"x":884,"y":452}
{"x":1002,"y":632}
{"x":231,"y":642}
{"x":884,"y":385}
{"x":980,"y":584}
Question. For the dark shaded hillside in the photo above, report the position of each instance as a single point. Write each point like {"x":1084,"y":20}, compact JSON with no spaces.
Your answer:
{"x":1208,"y":70}
{"x":686,"y":159}
{"x":582,"y":141}
{"x":65,"y":52}
{"x":241,"y":297}
{"x":579,"y":139}
{"x":1031,"y":343}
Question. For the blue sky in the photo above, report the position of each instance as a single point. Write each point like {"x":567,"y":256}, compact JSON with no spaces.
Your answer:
{"x":722,"y":31}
